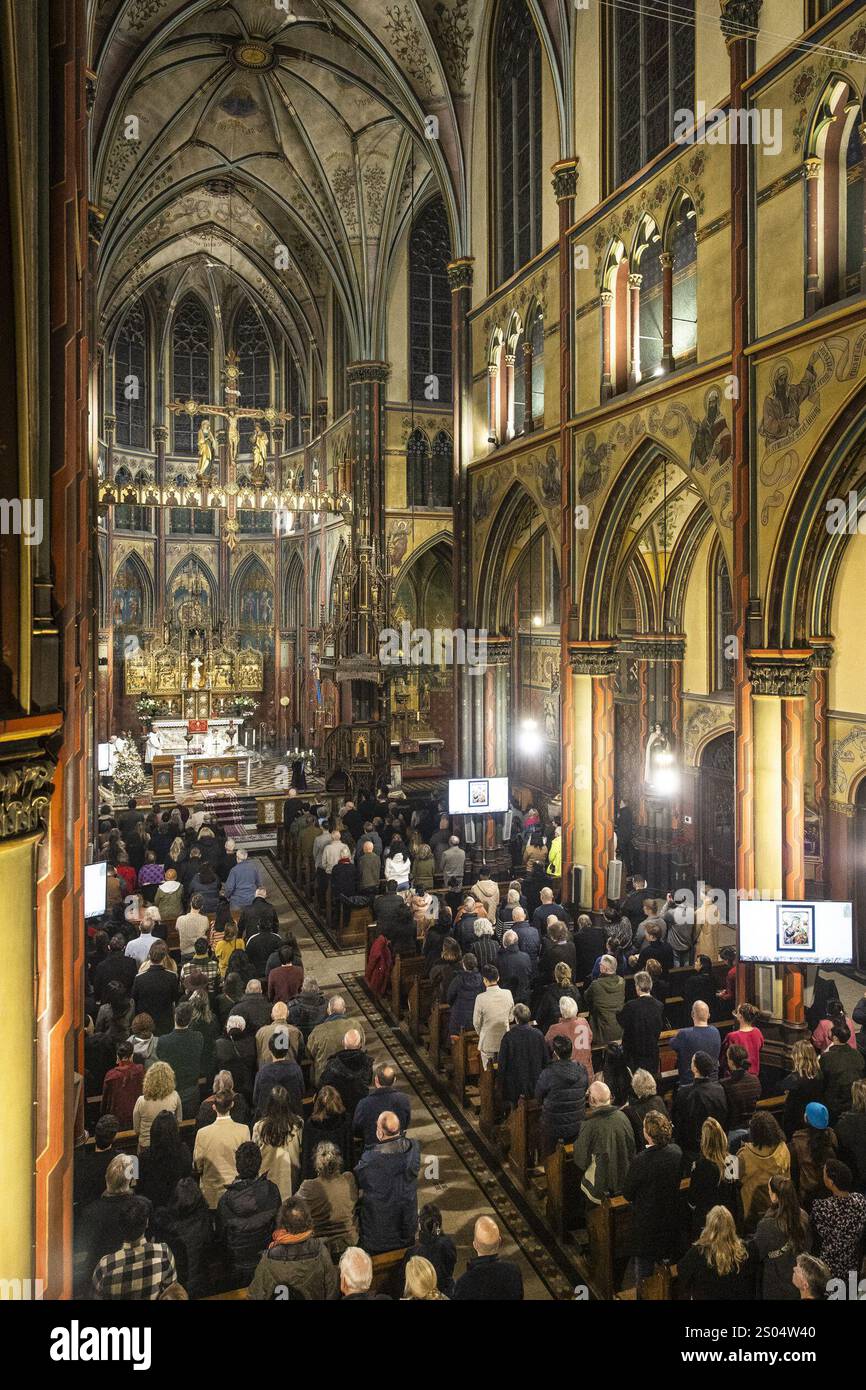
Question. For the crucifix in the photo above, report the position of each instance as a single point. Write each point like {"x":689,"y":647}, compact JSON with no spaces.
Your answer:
{"x":232,"y":413}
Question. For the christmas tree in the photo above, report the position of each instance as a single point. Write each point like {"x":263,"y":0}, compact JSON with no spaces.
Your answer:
{"x":128,"y":770}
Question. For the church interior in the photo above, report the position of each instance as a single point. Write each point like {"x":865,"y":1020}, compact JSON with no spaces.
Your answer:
{"x":442,"y":421}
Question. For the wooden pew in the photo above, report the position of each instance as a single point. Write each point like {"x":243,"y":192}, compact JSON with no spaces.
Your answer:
{"x":523,"y":1126}
{"x":489,"y":1099}
{"x":419,"y":1004}
{"x":353,"y":924}
{"x":562,"y":1199}
{"x":465,"y":1063}
{"x":406,"y":970}
{"x":608,"y":1225}
{"x":438,"y":1033}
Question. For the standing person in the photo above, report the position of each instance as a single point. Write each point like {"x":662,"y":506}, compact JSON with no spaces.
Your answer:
{"x":489,"y":1278}
{"x":561,"y":1088}
{"x":433,"y":1245}
{"x":840,"y":1221}
{"x":278,"y":1135}
{"x":522,"y":1058}
{"x":743,"y":1091}
{"x":810,"y":1148}
{"x":803,"y":1084}
{"x":642,"y":1019}
{"x":122,"y":1086}
{"x":141,"y":1268}
{"x":652,"y":1185}
{"x":841,"y":1065}
{"x":331,"y":1197}
{"x":387,"y":1176}
{"x":164,"y":1162}
{"x":822,"y":1035}
{"x":492,"y":1015}
{"x":216,"y":1144}
{"x":295,"y":1261}
{"x":158,"y":1094}
{"x":464,"y":989}
{"x":246,"y":1214}
{"x":763,"y":1155}
{"x":155,"y":990}
{"x":783,"y":1234}
{"x":604,"y":1148}
{"x":701,"y":1037}
{"x":182,"y":1049}
{"x":719,"y":1265}
{"x":241,"y":884}
{"x":713,"y":1180}
{"x":703,"y":1099}
{"x":707,"y":920}
{"x":851,"y":1133}
{"x":747,"y":1035}
{"x":605,"y":999}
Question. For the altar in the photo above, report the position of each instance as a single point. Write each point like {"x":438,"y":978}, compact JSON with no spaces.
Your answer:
{"x":208,"y":772}
{"x":222,"y":733}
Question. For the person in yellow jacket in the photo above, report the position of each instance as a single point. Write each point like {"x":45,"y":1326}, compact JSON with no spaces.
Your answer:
{"x":554,"y":858}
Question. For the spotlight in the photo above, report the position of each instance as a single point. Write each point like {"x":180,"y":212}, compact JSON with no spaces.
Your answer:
{"x":666,"y":778}
{"x":537,"y":620}
{"x":528,"y":737}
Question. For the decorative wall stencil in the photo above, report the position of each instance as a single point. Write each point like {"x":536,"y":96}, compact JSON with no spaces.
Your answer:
{"x":343,"y":181}
{"x":847,"y":757}
{"x":454,"y":33}
{"x":122,"y":153}
{"x":833,"y":56}
{"x":375,"y":184}
{"x":703,"y":720}
{"x":409,"y":47}
{"x":140,"y":12}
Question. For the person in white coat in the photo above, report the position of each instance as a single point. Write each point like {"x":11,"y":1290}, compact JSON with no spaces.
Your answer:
{"x":215,"y":1147}
{"x":492,"y":1015}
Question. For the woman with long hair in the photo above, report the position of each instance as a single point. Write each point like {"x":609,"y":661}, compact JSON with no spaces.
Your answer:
{"x":719,"y":1266}
{"x":712,"y":1181}
{"x":810,"y":1147}
{"x":421,"y":1282}
{"x":164,"y":1162}
{"x":205,"y":1022}
{"x":328,"y":1122}
{"x":803,"y":1084}
{"x":434,"y":1246}
{"x":783,"y":1234}
{"x":835,"y":1014}
{"x":748,"y":1035}
{"x":278,"y":1135}
{"x":547,"y":1010}
{"x":764,"y":1154}
{"x":159,"y":1093}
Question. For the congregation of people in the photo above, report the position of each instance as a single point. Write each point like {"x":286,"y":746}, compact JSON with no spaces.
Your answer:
{"x":303,"y":1169}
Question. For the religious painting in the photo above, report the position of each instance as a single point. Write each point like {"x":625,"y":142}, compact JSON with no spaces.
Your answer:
{"x":127,"y":596}
{"x":188,"y":586}
{"x":254,"y":600}
{"x":795,"y":927}
{"x":361,"y":747}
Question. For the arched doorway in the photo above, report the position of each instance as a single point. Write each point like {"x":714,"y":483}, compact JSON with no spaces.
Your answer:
{"x":716,"y":812}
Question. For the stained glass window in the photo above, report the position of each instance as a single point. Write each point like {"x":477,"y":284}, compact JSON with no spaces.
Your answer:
{"x":417,"y":468}
{"x":430,"y":305}
{"x":440,"y":470}
{"x":255,"y":364}
{"x":725,"y":666}
{"x":130,"y":381}
{"x":536,"y":339}
{"x":684,"y":246}
{"x":654,"y":71}
{"x":296,"y":402}
{"x":190,"y":368}
{"x":517,"y":91}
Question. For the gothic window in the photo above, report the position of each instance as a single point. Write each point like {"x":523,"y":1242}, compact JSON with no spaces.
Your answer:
{"x":440,"y":470}
{"x":190,"y":368}
{"x":255,"y":364}
{"x":517,"y":97}
{"x":649,"y":267}
{"x":130,"y":381}
{"x":683,"y":247}
{"x":724,"y":667}
{"x":430,"y":305}
{"x":128,"y":516}
{"x":518,"y":387}
{"x":295,"y":402}
{"x":653,"y":68}
{"x":835,"y":230}
{"x":417,"y":469}
{"x":616,"y":324}
{"x":254,"y":523}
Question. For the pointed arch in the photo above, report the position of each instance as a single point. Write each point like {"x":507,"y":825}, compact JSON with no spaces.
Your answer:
{"x":132,"y":576}
{"x":293,"y":593}
{"x":251,"y":597}
{"x":510,"y":518}
{"x":191,"y":369}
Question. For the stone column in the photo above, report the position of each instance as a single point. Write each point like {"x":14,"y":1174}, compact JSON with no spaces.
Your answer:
{"x":863,"y":181}
{"x":592,"y":669}
{"x":634,"y":284}
{"x":666,"y":261}
{"x":606,"y":301}
{"x":528,"y":422}
{"x":822,"y":655}
{"x":565,"y":176}
{"x":812,"y":172}
{"x":460,"y":273}
{"x":780,"y":683}
{"x":739,"y":23}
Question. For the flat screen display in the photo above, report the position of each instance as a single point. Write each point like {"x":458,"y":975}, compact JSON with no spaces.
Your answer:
{"x":95,"y":889}
{"x":796,"y":933}
{"x":477,"y":796}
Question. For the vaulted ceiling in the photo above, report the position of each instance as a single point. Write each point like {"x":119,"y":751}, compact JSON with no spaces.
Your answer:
{"x":279,"y":143}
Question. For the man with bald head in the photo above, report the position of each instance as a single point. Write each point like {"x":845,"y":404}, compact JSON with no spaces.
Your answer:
{"x":327,"y":1036}
{"x":349,"y":1071}
{"x":701,"y":1037}
{"x":384,"y":1096}
{"x":489,"y":1278}
{"x":604,"y":1147}
{"x":387,"y":1177}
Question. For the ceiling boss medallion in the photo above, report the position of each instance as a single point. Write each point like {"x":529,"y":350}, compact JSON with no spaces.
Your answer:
{"x":253,"y":55}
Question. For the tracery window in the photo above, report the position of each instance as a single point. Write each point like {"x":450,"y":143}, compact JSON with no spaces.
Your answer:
{"x":190,"y":368}
{"x":653,"y":52}
{"x":430,"y":305}
{"x":517,"y":94}
{"x":255,"y":364}
{"x":130,"y":381}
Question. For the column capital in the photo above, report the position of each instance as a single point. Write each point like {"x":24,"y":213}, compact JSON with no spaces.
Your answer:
{"x":605,"y":298}
{"x":565,"y":177}
{"x":812,"y":167}
{"x":635,"y":280}
{"x":784,"y":674}
{"x":160,"y":434}
{"x":666,"y":259}
{"x":461,"y":273}
{"x":25,"y":794}
{"x":822,"y":653}
{"x":593,"y":658}
{"x":654,"y":646}
{"x":361,"y":373}
{"x":739,"y":19}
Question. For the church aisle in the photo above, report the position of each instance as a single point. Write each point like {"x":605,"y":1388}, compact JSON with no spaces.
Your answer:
{"x":454,"y":1173}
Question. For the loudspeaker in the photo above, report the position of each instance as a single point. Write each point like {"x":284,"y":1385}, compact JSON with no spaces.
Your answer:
{"x":578,"y":872}
{"x":614,"y":878}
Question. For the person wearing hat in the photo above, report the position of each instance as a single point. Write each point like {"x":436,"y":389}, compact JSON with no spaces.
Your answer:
{"x":811,"y":1146}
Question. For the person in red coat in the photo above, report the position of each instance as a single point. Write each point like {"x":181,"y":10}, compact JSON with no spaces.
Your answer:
{"x":122,"y":1086}
{"x":285,"y":981}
